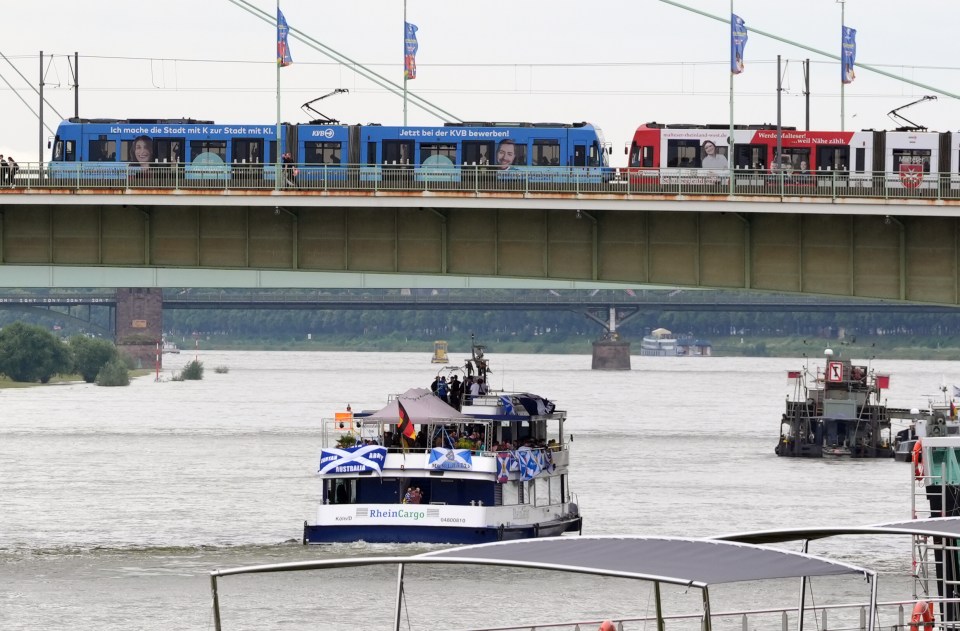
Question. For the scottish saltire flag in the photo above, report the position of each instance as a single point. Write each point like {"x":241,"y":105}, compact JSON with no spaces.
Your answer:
{"x":529,"y":464}
{"x":353,"y":459}
{"x":440,"y":458}
{"x":848,"y":54}
{"x":738,"y":40}
{"x":504,"y":460}
{"x":410,"y":47}
{"x":546,"y":461}
{"x":507,"y":405}
{"x":283,"y":49}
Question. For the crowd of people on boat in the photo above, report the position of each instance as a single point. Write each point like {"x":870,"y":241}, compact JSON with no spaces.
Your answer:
{"x":413,"y":495}
{"x":456,"y":393}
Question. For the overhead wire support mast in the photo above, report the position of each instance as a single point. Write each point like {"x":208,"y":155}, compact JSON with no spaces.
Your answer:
{"x":818,"y":51}
{"x":323,"y":118}
{"x":357,"y":67}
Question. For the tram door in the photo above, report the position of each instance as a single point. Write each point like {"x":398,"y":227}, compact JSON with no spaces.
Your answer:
{"x":579,"y":155}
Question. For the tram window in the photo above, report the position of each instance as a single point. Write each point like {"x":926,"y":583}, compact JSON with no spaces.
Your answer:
{"x":546,"y":153}
{"x":477,"y":153}
{"x":861,"y":159}
{"x":397,"y":151}
{"x":750,"y":157}
{"x":247,"y":150}
{"x":448,"y":151}
{"x":911,"y":156}
{"x":168,"y":150}
{"x":214,"y":147}
{"x":321,"y":152}
{"x":594,"y":159}
{"x":371,"y":153}
{"x":792,"y":159}
{"x":833,"y":158}
{"x":102,"y":150}
{"x":70,"y":154}
{"x":683,"y":153}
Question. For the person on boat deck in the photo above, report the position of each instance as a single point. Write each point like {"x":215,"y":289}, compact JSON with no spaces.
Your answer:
{"x":442,"y":389}
{"x":455,"y":390}
{"x":408,"y":496}
{"x":416,"y":496}
{"x":435,"y":384}
{"x":476,"y":388}
{"x":606,"y":625}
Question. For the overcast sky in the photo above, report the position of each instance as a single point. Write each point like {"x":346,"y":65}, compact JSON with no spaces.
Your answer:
{"x":533,"y":60}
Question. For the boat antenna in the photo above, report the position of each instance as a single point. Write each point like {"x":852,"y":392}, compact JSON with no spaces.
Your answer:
{"x":323,"y":118}
{"x":896,"y":117}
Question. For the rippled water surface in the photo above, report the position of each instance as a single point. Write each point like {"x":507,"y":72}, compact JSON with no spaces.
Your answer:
{"x":115,"y":503}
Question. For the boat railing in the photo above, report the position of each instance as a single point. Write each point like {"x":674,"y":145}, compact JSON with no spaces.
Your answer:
{"x":891,"y":616}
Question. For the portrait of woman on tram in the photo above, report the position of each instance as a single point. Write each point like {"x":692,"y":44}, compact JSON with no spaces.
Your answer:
{"x":711,"y":158}
{"x":142,"y":153}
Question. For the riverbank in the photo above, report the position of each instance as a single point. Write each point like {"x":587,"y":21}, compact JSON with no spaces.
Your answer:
{"x":880,"y":347}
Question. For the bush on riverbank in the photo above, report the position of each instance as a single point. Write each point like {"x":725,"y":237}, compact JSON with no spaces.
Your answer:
{"x":113,"y":373}
{"x":192,"y":371}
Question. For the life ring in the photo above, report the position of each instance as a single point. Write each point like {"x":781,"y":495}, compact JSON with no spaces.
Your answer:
{"x":922,"y":614}
{"x":918,"y":462}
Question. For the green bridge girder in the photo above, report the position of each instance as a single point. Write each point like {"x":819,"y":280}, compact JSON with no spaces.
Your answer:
{"x":884,"y":250}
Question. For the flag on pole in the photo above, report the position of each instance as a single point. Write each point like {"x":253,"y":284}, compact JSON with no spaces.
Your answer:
{"x":410,"y":47}
{"x":283,"y":49}
{"x":738,"y":40}
{"x":848,"y":54}
{"x":405,"y":426}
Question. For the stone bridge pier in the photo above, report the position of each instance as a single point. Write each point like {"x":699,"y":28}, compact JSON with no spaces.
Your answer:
{"x":139,"y":325}
{"x":611,"y":352}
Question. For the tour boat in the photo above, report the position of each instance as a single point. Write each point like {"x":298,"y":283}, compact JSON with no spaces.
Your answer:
{"x":420,"y":470}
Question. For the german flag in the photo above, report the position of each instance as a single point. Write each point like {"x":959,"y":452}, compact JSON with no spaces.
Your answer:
{"x":405,"y":426}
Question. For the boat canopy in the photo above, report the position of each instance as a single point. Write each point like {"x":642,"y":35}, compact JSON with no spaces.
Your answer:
{"x":422,"y":406}
{"x":694,"y":562}
{"x":935,"y":526}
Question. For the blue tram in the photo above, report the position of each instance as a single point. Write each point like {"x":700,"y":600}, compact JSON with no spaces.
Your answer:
{"x":202,"y":150}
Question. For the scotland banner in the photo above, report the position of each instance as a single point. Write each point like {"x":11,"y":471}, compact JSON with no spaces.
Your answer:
{"x":353,"y":459}
{"x":439,"y":458}
{"x":529,"y":463}
{"x":504,"y":460}
{"x":848,"y":54}
{"x":738,"y":40}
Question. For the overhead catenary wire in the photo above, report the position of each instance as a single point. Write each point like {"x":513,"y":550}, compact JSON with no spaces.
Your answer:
{"x":357,"y":67}
{"x":868,"y":67}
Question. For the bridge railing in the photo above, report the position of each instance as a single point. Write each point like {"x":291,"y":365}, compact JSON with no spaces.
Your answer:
{"x":393,"y":178}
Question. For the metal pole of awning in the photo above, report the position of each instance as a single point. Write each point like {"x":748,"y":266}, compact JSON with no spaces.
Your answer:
{"x":396,"y":625}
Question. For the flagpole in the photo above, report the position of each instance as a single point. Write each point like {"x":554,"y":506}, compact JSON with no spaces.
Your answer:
{"x":276,"y":179}
{"x":730,"y":151}
{"x":843,"y":6}
{"x":404,"y":63}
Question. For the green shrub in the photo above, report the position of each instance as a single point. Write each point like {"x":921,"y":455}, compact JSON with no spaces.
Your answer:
{"x":113,"y":373}
{"x":221,"y":370}
{"x":30,"y":353}
{"x":90,"y":355}
{"x":347,"y":440}
{"x":193,"y":371}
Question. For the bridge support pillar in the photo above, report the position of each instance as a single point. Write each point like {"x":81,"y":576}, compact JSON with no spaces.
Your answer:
{"x":611,"y":352}
{"x":139,"y":325}
{"x":611,"y":355}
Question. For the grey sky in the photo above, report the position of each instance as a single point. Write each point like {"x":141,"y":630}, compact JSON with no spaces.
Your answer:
{"x":618,"y":65}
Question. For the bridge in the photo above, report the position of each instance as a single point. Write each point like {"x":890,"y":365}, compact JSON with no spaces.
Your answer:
{"x":827,"y":234}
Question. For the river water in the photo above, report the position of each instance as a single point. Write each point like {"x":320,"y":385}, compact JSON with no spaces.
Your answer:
{"x":115,"y":503}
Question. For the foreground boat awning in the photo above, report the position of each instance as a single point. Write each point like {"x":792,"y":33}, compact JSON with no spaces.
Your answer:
{"x":935,"y":527}
{"x":696,"y":562}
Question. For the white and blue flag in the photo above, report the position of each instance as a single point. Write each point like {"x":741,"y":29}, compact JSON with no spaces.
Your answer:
{"x":507,"y":405}
{"x":440,"y":458}
{"x":529,"y":464}
{"x":353,"y":459}
{"x":848,"y":54}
